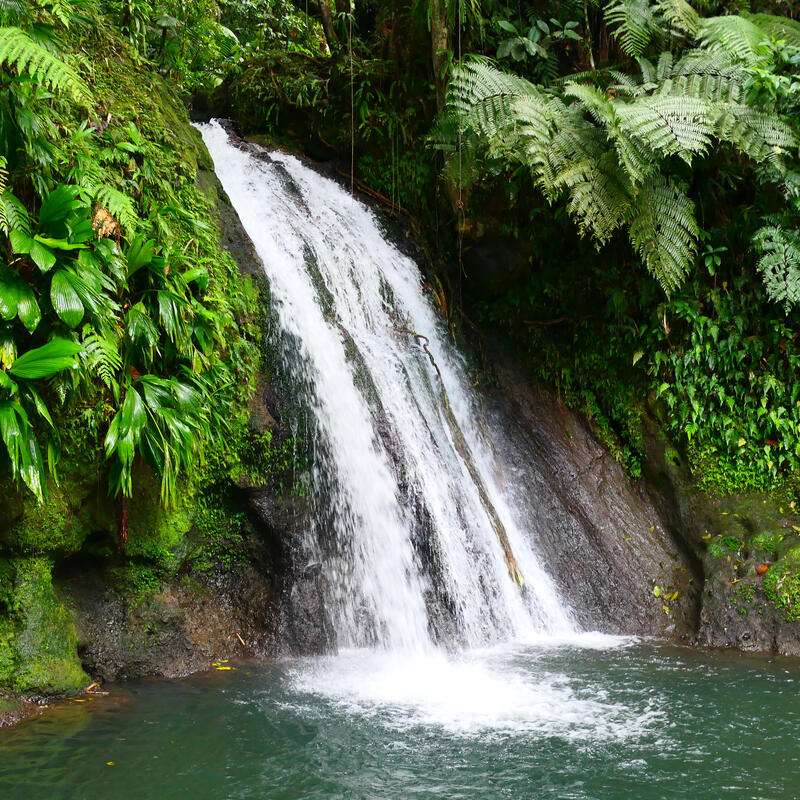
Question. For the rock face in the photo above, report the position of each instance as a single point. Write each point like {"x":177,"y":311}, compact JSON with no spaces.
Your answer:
{"x":749,"y":551}
{"x":181,"y":629}
{"x":654,"y":556}
{"x":608,"y":548}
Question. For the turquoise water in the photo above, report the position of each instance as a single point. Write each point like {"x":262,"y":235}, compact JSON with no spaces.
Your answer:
{"x":630,"y":720}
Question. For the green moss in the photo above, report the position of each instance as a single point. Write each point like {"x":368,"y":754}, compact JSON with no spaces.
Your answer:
{"x":782,"y":588}
{"x":61,"y":524}
{"x":742,"y":597}
{"x":138,"y":583}
{"x":766,"y":543}
{"x":722,"y":546}
{"x":156,"y":531}
{"x":38,"y":640}
{"x":222,"y":542}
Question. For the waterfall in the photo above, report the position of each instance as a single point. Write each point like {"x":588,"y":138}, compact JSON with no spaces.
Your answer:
{"x":407,"y":493}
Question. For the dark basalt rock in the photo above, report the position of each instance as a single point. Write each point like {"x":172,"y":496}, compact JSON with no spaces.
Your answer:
{"x":599,"y":535}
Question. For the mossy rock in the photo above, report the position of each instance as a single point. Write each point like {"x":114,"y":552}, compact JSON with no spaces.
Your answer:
{"x":59,"y":525}
{"x":764,"y":545}
{"x":782,"y":585}
{"x":38,"y":639}
{"x":724,"y":545}
{"x":156,"y":532}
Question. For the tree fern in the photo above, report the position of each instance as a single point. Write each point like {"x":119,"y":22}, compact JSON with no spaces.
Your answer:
{"x":18,"y":50}
{"x":761,"y":136}
{"x":778,"y":28}
{"x":738,"y":35}
{"x":679,"y":16}
{"x":635,"y":24}
{"x":603,"y":141}
{"x":669,"y":125}
{"x":779,"y":264}
{"x":664,"y":231}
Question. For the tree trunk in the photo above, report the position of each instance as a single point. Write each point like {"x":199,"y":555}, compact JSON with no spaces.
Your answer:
{"x":440,"y":45}
{"x":122,"y":522}
{"x":327,"y":24}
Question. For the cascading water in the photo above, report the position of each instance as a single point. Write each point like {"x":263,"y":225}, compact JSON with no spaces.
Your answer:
{"x":411,"y":513}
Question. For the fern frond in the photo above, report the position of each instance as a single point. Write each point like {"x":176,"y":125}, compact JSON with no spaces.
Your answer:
{"x":778,"y":28}
{"x":679,"y":16}
{"x":101,"y":355}
{"x":779,"y":264}
{"x":679,"y":126}
{"x":599,"y":201}
{"x":13,"y":12}
{"x":762,"y":137}
{"x":634,"y":23}
{"x":18,"y":50}
{"x":664,"y":231}
{"x":735,"y":34}
{"x":13,"y":214}
{"x":91,"y":177}
{"x":476,"y":82}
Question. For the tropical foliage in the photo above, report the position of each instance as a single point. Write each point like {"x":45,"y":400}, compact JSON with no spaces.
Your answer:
{"x":117,"y":307}
{"x":611,"y":143}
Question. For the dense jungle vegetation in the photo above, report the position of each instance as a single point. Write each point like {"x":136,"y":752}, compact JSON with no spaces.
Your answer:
{"x":614,"y":186}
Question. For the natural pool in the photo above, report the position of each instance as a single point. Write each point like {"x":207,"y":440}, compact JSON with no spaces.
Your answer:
{"x":592,"y":718}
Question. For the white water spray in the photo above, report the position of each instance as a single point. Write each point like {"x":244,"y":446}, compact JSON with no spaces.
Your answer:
{"x":389,"y":464}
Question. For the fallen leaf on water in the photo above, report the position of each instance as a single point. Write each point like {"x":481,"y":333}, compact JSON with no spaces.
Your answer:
{"x":109,"y":763}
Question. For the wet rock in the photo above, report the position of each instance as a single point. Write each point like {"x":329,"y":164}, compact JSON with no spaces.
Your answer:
{"x":304,"y":625}
{"x":600,"y":537}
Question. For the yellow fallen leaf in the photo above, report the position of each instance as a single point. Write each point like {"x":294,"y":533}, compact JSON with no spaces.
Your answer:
{"x":707,"y":536}
{"x":221,"y":668}
{"x":673,"y":596}
{"x":109,"y":763}
{"x":666,"y":609}
{"x":77,"y":700}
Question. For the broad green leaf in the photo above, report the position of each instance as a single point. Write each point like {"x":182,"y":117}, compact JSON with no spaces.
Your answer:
{"x":27,"y":307}
{"x":134,"y":413}
{"x":7,"y":383}
{"x":41,"y":362}
{"x":65,"y":299}
{"x":41,"y":407}
{"x":59,"y":244}
{"x":57,"y":206}
{"x":140,"y":253}
{"x":9,"y":297}
{"x":198,"y":275}
{"x":20,"y":242}
{"x":42,"y":256}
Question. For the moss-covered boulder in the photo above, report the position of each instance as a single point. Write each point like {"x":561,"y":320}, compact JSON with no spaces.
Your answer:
{"x":38,"y":639}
